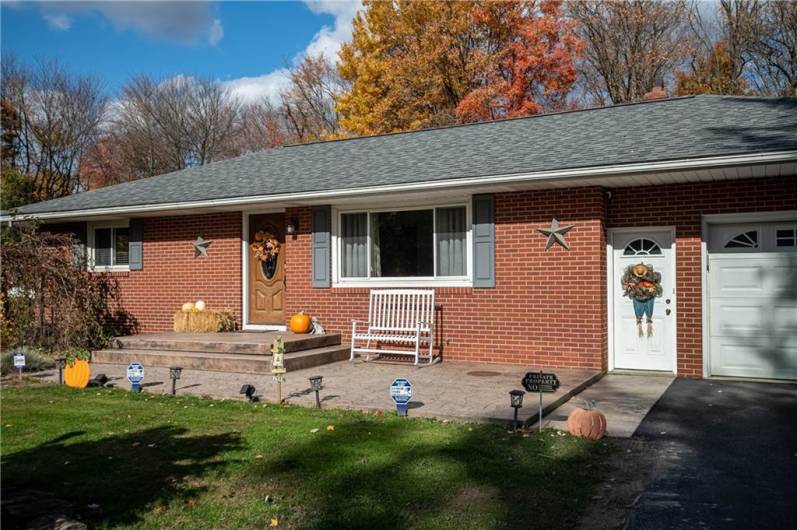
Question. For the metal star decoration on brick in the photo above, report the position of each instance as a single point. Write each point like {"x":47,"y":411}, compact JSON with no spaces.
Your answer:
{"x":201,"y":247}
{"x":556,"y":234}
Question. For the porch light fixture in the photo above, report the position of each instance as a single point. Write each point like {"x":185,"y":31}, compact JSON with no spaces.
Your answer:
{"x":60,"y":362}
{"x":292,"y":227}
{"x":248,"y":391}
{"x":516,"y":401}
{"x":315,"y":384}
{"x":174,"y":373}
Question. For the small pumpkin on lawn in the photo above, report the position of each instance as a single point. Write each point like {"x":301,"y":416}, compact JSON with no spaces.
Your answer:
{"x":300,"y":323}
{"x":77,"y":371}
{"x":587,"y":423}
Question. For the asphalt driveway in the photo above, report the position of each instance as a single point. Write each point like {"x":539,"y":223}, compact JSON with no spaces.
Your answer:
{"x":726,"y":457}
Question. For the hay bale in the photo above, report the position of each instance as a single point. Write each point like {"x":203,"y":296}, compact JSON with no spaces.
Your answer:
{"x":208,"y":321}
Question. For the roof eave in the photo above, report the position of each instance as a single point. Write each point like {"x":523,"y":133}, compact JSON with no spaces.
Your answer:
{"x":553,"y":176}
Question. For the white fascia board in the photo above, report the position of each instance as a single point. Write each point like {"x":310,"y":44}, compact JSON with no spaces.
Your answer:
{"x":599,"y":171}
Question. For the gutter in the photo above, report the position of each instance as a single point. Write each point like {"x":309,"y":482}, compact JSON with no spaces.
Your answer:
{"x":595,"y":172}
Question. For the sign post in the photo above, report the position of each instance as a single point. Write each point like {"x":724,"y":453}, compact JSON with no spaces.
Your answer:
{"x":401,"y":394}
{"x":540,"y":382}
{"x":19,"y":363}
{"x":135,"y":374}
{"x":278,"y":366}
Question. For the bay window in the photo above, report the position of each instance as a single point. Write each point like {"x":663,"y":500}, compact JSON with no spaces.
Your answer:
{"x":419,"y":244}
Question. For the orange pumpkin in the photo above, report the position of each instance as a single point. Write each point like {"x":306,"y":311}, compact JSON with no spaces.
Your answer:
{"x":77,"y":375}
{"x":300,"y":323}
{"x":589,"y":424}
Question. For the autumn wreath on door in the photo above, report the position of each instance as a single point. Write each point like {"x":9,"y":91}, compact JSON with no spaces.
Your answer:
{"x":642,"y":285}
{"x":266,"y":248}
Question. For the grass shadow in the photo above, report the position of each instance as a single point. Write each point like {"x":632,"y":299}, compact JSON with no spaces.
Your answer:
{"x":124,"y":474}
{"x":477,"y":477}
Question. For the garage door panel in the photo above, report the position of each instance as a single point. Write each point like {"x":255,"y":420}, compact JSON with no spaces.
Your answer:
{"x":736,"y":316}
{"x":753,"y":307}
{"x":762,"y":358}
{"x":733,"y":279}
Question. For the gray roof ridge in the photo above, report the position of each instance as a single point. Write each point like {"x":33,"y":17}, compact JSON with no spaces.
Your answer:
{"x":514,"y":118}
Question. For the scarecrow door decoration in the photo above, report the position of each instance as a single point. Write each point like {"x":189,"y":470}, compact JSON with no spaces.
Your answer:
{"x":642,"y":285}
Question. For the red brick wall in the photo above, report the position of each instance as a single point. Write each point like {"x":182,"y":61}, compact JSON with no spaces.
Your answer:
{"x":172,"y":275}
{"x":682,"y":206}
{"x":547,"y":309}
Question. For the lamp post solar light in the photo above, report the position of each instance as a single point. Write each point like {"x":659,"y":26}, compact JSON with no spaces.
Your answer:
{"x":315,"y":384}
{"x":60,"y":362}
{"x":174,"y":373}
{"x":516,"y":400}
{"x":248,"y":391}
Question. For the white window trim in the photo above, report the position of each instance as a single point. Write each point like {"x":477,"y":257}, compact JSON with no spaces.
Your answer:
{"x":408,"y":281}
{"x":90,"y":228}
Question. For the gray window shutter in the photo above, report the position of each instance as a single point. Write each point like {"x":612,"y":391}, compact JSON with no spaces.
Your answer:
{"x":136,"y":244}
{"x":483,"y":241}
{"x":322,"y":242}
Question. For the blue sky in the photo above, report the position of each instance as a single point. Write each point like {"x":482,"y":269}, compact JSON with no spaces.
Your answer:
{"x":247,"y":45}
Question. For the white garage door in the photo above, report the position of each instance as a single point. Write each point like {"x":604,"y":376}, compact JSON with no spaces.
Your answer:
{"x":753,"y":300}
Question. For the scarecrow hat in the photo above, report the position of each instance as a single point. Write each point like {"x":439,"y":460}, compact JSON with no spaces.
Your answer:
{"x":640,"y":270}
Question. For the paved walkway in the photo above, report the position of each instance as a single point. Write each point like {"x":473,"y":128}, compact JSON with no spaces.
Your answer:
{"x":446,"y":390}
{"x":726,"y":453}
{"x":625,"y":400}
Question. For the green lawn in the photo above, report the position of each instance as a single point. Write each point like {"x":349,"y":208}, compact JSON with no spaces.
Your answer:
{"x":152,"y":461}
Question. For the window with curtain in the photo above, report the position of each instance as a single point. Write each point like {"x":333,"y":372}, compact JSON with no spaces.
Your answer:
{"x":111,"y":246}
{"x":451,"y":237}
{"x":354,"y":245}
{"x":424,"y":243}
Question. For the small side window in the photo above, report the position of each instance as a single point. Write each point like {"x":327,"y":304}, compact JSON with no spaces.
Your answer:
{"x":744,"y":240}
{"x":786,"y":237}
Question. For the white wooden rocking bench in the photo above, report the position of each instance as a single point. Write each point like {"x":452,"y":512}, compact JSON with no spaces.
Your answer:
{"x":397,"y":316}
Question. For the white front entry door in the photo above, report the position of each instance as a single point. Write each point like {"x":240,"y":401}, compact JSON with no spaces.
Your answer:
{"x":657,"y":350}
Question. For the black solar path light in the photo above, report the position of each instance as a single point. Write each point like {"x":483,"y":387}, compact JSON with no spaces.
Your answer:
{"x":516,"y":401}
{"x":315,"y":384}
{"x":174,"y":373}
{"x":60,"y":362}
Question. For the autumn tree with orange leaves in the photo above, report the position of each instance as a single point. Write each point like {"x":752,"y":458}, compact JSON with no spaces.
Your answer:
{"x":421,"y":64}
{"x":528,"y":61}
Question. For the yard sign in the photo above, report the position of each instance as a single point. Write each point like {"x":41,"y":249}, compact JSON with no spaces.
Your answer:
{"x":135,"y":374}
{"x":401,"y":394}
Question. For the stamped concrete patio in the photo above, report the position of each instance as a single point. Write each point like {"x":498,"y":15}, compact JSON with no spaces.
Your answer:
{"x":447,"y":390}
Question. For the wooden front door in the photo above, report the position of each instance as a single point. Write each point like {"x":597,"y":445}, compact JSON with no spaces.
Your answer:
{"x":266,"y":245}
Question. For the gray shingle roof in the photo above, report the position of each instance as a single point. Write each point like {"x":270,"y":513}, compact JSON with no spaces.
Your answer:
{"x":682,"y":128}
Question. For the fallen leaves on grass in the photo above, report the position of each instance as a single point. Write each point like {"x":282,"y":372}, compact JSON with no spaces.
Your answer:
{"x":273,"y":522}
{"x":330,"y":427}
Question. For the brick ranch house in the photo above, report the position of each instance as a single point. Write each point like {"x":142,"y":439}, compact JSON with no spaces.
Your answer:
{"x":702,"y":188}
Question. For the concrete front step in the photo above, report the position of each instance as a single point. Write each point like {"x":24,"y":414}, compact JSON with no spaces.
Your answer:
{"x":223,"y":362}
{"x":224,"y":343}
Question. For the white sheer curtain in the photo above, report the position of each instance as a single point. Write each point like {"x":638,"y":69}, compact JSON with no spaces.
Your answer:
{"x":376,"y":252}
{"x":354,"y":245}
{"x":451,"y":238}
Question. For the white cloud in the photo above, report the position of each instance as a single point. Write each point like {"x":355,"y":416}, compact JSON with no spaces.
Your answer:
{"x":327,"y":41}
{"x":183,"y":21}
{"x":59,"y":22}
{"x":257,"y":88}
{"x":216,"y":33}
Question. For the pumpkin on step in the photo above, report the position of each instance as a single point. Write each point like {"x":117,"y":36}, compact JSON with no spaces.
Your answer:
{"x":587,"y":423}
{"x":300,"y":323}
{"x":77,"y":374}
